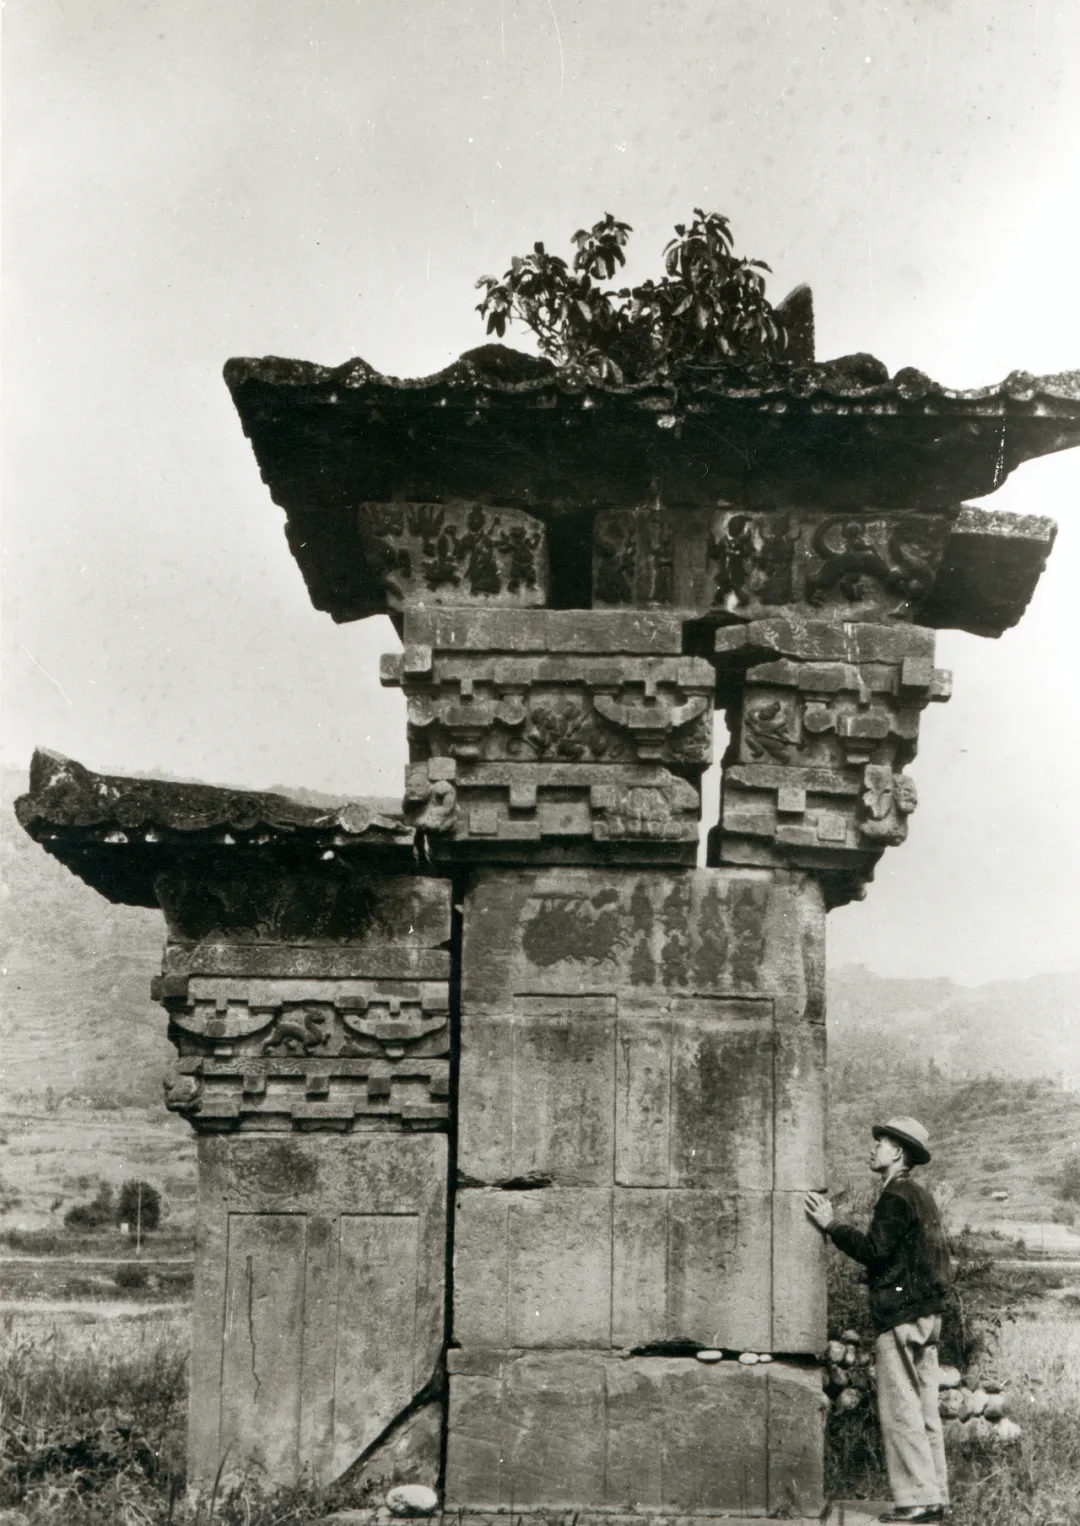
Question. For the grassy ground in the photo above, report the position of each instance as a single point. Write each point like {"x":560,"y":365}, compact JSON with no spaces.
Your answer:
{"x":1034,"y":1483}
{"x":93,"y":1419}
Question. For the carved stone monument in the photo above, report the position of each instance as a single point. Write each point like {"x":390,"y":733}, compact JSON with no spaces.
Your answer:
{"x":506,"y":1107}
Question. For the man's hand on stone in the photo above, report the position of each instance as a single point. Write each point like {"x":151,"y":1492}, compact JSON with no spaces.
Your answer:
{"x":819,"y":1209}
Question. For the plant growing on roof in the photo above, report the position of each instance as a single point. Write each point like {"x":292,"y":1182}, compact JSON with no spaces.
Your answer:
{"x":708,"y":309}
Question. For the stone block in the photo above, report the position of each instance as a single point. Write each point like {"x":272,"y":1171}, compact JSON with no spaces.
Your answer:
{"x":691,"y":1266}
{"x":566,"y":1267}
{"x":533,"y":1268}
{"x":582,"y":1431}
{"x":799,"y":1312}
{"x":724,"y":933}
{"x":799,"y":1107}
{"x":796,"y":1432}
{"x":319,"y":1305}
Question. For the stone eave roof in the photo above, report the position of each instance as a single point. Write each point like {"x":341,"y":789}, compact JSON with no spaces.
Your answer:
{"x":506,"y":427}
{"x":118,"y":833}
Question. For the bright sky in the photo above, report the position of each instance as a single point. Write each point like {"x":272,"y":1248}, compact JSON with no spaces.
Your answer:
{"x":186,"y":182}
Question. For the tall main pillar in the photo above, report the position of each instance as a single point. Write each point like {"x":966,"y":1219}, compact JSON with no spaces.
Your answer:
{"x":612,"y":1162}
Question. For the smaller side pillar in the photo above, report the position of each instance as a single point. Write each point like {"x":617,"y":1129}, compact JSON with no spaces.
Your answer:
{"x":306,"y":981}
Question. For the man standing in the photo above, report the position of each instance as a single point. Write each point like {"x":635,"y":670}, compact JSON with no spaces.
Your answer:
{"x":907,"y":1262}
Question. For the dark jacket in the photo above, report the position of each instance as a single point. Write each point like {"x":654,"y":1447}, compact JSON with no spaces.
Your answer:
{"x":905,"y":1254}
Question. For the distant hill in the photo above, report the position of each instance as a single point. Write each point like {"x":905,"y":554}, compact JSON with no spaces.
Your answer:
{"x":1018,"y":1028}
{"x":76,"y":973}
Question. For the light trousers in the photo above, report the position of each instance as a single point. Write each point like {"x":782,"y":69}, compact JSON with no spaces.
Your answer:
{"x":907,"y":1395}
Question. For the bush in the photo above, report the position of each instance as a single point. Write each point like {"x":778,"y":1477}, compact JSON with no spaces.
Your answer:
{"x":94,"y":1215}
{"x":709,"y":308}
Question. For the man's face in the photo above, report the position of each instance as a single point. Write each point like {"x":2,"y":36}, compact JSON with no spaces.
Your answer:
{"x":884,"y":1153}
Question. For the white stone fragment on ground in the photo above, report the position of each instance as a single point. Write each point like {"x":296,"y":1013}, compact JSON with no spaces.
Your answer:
{"x":992,"y":1385}
{"x":1006,"y":1432}
{"x":764,"y":1356}
{"x":851,"y":1337}
{"x":977,"y":1401}
{"x":996,"y":1405}
{"x":834,"y":1353}
{"x":412,"y":1499}
{"x":749,"y":1359}
{"x":848,"y":1398}
{"x":949,"y":1377}
{"x":849,"y":1356}
{"x":838,"y":1377}
{"x":708,"y":1355}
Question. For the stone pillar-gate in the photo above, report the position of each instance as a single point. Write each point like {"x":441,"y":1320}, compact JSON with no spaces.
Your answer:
{"x":516,"y":1030}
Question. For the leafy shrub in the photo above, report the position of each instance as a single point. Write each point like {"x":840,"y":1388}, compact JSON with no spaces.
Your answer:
{"x":94,"y":1215}
{"x":708,"y":309}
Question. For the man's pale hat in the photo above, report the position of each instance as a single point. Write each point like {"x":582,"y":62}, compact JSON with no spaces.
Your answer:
{"x":910,"y":1132}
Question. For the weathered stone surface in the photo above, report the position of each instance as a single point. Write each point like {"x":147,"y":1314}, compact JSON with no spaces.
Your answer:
{"x":992,"y":562}
{"x":626,"y":632}
{"x":579,"y":1430}
{"x":609,"y":1268}
{"x":838,"y":436}
{"x":308,"y":1036}
{"x":318,"y":1301}
{"x":409,"y":1452}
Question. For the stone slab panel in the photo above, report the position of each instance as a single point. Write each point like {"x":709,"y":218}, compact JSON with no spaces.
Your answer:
{"x":319,"y":1306}
{"x":800,"y":1101}
{"x":799,"y":1314}
{"x":533,"y":1268}
{"x":691,"y":1266}
{"x":563,"y":1430}
{"x":288,"y":961}
{"x":796,"y":1432}
{"x":536,"y":1089}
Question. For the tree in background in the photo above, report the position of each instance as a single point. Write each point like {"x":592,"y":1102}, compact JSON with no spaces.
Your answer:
{"x":139,"y":1205}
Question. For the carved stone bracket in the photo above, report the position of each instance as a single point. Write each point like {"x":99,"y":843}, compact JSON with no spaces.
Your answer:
{"x":819,"y":737}
{"x":559,"y":708}
{"x":307,"y":1053}
{"x":550,"y":812}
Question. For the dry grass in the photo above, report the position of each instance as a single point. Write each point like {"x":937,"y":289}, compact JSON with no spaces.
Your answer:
{"x":93,"y":1419}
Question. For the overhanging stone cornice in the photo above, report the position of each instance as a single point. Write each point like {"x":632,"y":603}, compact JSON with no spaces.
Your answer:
{"x":508,"y":431}
{"x":119,"y":834}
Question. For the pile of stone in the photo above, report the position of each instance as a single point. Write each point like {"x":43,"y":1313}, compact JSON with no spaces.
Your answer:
{"x":975,"y":1409}
{"x":972,"y":1408}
